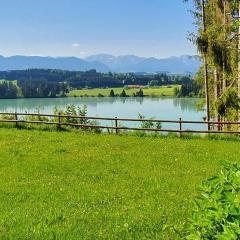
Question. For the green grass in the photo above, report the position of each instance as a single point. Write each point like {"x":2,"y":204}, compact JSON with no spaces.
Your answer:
{"x":13,"y":81}
{"x":71,"y":185}
{"x":153,"y":92}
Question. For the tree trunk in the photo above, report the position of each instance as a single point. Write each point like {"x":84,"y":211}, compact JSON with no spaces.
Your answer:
{"x":206,"y":67}
{"x":217,"y":90}
{"x":224,"y":82}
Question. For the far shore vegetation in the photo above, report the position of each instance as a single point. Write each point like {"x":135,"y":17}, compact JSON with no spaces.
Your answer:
{"x":164,"y":91}
{"x":40,"y":83}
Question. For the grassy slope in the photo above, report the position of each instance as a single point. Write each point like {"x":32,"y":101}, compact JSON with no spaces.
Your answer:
{"x":155,"y":92}
{"x":83,"y":186}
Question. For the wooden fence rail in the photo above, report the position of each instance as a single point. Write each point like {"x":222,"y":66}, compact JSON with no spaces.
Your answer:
{"x":116,"y":127}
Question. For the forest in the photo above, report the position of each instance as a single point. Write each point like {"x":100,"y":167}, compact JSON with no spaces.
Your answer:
{"x":52,"y":83}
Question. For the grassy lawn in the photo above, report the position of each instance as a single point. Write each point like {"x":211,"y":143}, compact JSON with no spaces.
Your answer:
{"x":69,"y":185}
{"x":153,"y":92}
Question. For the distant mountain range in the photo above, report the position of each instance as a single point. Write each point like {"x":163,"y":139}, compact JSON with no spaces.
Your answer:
{"x":104,"y":63}
{"x":64,"y":63}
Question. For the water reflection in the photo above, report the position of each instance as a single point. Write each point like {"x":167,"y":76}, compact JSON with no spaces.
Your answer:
{"x":30,"y":104}
{"x":166,"y":108}
{"x":186,"y":104}
{"x":160,"y":108}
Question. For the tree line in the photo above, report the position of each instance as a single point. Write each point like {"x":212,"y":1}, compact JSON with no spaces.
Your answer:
{"x":124,"y":94}
{"x":52,"y":83}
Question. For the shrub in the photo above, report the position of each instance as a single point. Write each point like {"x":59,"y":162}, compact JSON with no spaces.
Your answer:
{"x":7,"y":117}
{"x":216,"y":213}
{"x":78,"y":111}
{"x":149,"y":124}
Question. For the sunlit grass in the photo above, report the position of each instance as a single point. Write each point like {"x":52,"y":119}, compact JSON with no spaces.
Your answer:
{"x":152,"y":92}
{"x":71,"y":185}
{"x":13,"y":81}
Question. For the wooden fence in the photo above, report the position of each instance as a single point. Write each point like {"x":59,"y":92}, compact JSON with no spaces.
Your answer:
{"x":214,"y":125}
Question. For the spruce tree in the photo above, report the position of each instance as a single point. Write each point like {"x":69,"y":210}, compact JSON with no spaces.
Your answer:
{"x":112,"y":94}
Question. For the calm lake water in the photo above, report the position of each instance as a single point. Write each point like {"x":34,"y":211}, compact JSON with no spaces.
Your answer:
{"x":159,"y":108}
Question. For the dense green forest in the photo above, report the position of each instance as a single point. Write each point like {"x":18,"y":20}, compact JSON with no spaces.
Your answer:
{"x":8,"y":90}
{"x":190,"y":89}
{"x":52,"y":83}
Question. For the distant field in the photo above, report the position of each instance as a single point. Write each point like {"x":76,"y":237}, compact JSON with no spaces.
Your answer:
{"x":70,"y":185}
{"x":13,"y":81}
{"x":167,"y":91}
{"x":153,"y":92}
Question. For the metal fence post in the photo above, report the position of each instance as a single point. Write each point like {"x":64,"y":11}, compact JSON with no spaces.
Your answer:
{"x":16,"y":119}
{"x":116,"y":125}
{"x":180,"y":127}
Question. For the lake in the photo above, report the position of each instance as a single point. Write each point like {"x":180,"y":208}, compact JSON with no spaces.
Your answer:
{"x":159,"y":108}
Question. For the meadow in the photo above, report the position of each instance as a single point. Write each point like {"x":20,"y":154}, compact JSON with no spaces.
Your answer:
{"x":72,"y":185}
{"x":167,"y":91}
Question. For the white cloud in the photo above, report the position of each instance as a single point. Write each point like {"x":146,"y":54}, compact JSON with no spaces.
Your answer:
{"x":82,"y":53}
{"x":76,"y":45}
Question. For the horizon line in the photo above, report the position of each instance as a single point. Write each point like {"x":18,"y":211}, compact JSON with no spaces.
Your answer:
{"x":84,"y":58}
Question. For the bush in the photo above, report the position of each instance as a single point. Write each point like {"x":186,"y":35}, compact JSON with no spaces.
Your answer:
{"x":78,"y":111}
{"x":149,"y":124}
{"x":216,"y":213}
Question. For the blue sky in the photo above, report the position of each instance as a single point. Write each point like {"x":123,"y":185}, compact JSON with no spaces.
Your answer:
{"x":156,"y":28}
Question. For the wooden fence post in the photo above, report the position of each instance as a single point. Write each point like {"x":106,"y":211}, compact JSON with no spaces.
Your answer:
{"x":116,"y":125}
{"x":59,"y":122}
{"x":180,"y":127}
{"x":16,"y":119}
